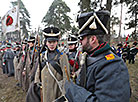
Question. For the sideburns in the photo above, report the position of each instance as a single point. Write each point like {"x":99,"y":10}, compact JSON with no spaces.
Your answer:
{"x":87,"y":47}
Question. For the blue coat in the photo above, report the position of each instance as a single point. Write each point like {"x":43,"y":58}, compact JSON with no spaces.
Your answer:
{"x":107,"y":80}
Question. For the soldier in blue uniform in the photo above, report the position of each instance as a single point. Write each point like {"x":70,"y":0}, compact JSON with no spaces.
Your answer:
{"x":104,"y":76}
{"x":119,"y":50}
{"x":133,"y":52}
{"x":125,"y":52}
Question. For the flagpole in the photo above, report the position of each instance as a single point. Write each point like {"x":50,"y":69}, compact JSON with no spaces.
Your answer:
{"x":18,"y":21}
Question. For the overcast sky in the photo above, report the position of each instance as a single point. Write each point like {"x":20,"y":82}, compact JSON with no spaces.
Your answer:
{"x":38,"y":9}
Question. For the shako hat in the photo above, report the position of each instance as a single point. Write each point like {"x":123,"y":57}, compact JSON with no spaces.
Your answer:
{"x":8,"y":45}
{"x":3,"y":46}
{"x":119,"y":45}
{"x":135,"y":43}
{"x":72,"y":39}
{"x":31,"y":39}
{"x":51,"y":33}
{"x":93,"y":23}
{"x":25,"y":41}
{"x":18,"y":44}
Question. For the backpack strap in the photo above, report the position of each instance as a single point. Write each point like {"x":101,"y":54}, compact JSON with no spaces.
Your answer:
{"x":56,"y":66}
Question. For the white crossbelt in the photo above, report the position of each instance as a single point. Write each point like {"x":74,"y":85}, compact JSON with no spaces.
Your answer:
{"x":51,"y":73}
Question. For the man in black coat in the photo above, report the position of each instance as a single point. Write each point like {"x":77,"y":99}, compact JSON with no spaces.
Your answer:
{"x":132,"y":53}
{"x":104,"y":76}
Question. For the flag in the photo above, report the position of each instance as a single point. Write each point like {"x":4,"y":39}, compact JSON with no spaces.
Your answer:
{"x":10,"y":21}
{"x":127,"y":37}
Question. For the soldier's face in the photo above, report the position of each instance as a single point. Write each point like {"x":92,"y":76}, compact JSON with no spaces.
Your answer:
{"x":31,"y":44}
{"x":23,"y":46}
{"x":51,"y":45}
{"x":83,"y":40}
{"x":85,"y":44}
{"x":71,"y":46}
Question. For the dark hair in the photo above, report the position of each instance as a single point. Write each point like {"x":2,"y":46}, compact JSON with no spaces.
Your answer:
{"x":99,"y":37}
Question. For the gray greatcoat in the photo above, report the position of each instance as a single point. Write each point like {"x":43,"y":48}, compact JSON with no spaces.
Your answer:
{"x":9,"y":56}
{"x":106,"y":79}
{"x":50,"y":88}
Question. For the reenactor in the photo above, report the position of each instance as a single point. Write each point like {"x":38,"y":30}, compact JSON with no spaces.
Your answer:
{"x":8,"y":57}
{"x":128,"y":51}
{"x":119,"y":49}
{"x":125,"y":52}
{"x":73,"y":54}
{"x":34,"y":59}
{"x":28,"y":62}
{"x":17,"y":49}
{"x":2,"y":51}
{"x":61,"y":48}
{"x":50,"y":73}
{"x":132,"y":53}
{"x":21,"y":65}
{"x":103,"y":76}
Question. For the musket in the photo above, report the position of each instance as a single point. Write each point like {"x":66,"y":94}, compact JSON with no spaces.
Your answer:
{"x":26,"y":49}
{"x":39,"y":62}
{"x":73,"y":69}
{"x":40,"y":68}
{"x":68,"y":78}
{"x":33,"y":54}
{"x":25,"y":58}
{"x":78,"y":50}
{"x":20,"y":51}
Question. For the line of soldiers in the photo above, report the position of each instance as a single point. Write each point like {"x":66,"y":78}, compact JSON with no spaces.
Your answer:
{"x":29,"y":59}
{"x":86,"y":72}
{"x":126,"y":52}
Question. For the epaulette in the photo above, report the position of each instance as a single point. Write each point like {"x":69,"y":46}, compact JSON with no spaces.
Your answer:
{"x":110,"y":57}
{"x":36,"y":50}
{"x":61,"y":53}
